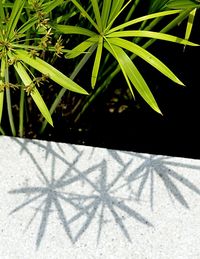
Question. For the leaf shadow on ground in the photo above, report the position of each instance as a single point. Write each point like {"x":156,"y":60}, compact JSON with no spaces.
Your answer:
{"x":170,"y":173}
{"x":54,"y":193}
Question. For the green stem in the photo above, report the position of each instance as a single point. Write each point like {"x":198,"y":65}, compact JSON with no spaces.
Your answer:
{"x":9,"y":104}
{"x":90,"y":99}
{"x":10,"y":114}
{"x":2,"y":131}
{"x":29,"y":47}
{"x":132,"y":10}
{"x":57,"y":100}
{"x":2,"y":15}
{"x":21,"y":112}
{"x":2,"y":80}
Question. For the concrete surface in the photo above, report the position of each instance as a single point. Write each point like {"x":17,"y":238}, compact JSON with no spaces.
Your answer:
{"x":77,"y":202}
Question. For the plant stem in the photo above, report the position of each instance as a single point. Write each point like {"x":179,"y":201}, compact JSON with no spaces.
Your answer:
{"x":2,"y":15}
{"x":10,"y":114}
{"x":2,"y":131}
{"x":57,"y":100}
{"x":21,"y":112}
{"x":132,"y":10}
{"x":2,"y":80}
{"x":9,"y":104}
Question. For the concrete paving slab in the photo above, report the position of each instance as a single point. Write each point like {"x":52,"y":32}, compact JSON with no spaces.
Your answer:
{"x":70,"y":201}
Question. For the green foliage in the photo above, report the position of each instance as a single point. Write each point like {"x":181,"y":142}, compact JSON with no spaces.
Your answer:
{"x":34,"y":34}
{"x":157,"y":5}
{"x":18,"y":49}
{"x":104,"y":34}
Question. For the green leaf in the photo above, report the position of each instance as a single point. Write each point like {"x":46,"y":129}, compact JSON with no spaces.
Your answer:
{"x":134,"y":75}
{"x":144,"y":18}
{"x":112,"y":51}
{"x":181,"y":4}
{"x":2,"y":14}
{"x":157,"y":5}
{"x":97,"y":14}
{"x":27,"y":25}
{"x":14,"y":18}
{"x":85,"y":14}
{"x":82,"y":47}
{"x":117,"y":14}
{"x":153,"y":35}
{"x":147,"y":56}
{"x":35,"y":93}
{"x":68,"y":29}
{"x":48,"y":7}
{"x":116,"y":7}
{"x":97,"y":61}
{"x":105,"y":12}
{"x":41,"y":105}
{"x":190,"y":24}
{"x":50,"y":71}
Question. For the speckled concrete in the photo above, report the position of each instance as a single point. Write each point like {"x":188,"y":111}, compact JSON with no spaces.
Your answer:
{"x":77,"y":202}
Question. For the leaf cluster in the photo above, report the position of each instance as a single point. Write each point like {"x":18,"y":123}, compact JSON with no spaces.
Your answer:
{"x":104,"y":32}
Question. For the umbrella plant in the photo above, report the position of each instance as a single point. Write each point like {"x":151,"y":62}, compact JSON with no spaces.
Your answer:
{"x":108,"y":33}
{"x":117,"y":40}
{"x":20,"y":52}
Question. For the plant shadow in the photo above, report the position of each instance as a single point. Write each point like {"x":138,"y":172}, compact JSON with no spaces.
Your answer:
{"x":80,"y":197}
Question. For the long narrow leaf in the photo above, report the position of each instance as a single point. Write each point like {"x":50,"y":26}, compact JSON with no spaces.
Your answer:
{"x":27,"y":25}
{"x":116,"y":6}
{"x":97,"y":13}
{"x":68,"y":29}
{"x":2,"y":14}
{"x":182,"y":4}
{"x":85,"y":14}
{"x":105,"y":12}
{"x":147,"y":56}
{"x":35,"y":93}
{"x":144,"y":18}
{"x":153,"y":35}
{"x":41,"y":105}
{"x":82,"y":47}
{"x":110,"y":48}
{"x":117,"y":14}
{"x":50,"y":71}
{"x":97,"y":62}
{"x":51,"y":5}
{"x":190,"y":24}
{"x":135,"y":76}
{"x":157,"y":5}
{"x":14,"y":18}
